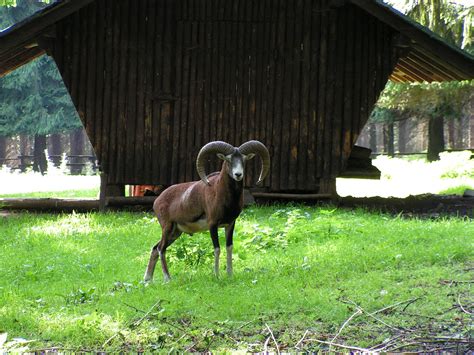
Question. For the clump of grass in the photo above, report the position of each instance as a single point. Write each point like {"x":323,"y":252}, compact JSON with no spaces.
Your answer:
{"x":74,"y":281}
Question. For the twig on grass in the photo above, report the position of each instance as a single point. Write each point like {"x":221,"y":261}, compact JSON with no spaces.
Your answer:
{"x":382,"y":346}
{"x":409,"y":302}
{"x":424,"y":340}
{"x":340,"y":345}
{"x":133,"y":307}
{"x":265,"y":346}
{"x":274,"y":340}
{"x":343,"y":326}
{"x":301,"y":340}
{"x":462,"y":308}
{"x":247,"y":323}
{"x":450,"y":282}
{"x":372,"y":315}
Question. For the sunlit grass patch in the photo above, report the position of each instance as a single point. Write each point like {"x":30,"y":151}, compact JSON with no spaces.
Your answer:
{"x":74,"y":281}
{"x":406,"y":176}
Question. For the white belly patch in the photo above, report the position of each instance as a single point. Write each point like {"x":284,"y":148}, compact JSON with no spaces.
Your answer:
{"x":194,"y":227}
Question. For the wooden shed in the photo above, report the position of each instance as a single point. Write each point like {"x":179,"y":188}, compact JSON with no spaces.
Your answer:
{"x":154,"y":80}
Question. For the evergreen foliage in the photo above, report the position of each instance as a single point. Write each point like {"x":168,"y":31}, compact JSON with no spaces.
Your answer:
{"x":33,"y":99}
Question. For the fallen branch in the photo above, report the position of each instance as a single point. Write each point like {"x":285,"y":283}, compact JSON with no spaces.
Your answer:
{"x":373,"y":316}
{"x":450,"y":282}
{"x":460,"y":305}
{"x":339,"y":345}
{"x":265,"y":346}
{"x":410,"y":301}
{"x":301,"y":340}
{"x":274,"y":340}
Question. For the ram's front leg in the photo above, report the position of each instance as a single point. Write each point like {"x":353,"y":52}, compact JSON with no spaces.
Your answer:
{"x":217,"y":249}
{"x":229,"y":237}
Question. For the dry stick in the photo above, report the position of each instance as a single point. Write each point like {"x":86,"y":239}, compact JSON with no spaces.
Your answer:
{"x":339,"y":345}
{"x":372,"y":315}
{"x":460,"y":305}
{"x":265,"y":346}
{"x":133,"y":307}
{"x":422,"y":340}
{"x":301,"y":340}
{"x":274,"y":340}
{"x":342,"y":327}
{"x":380,"y":347}
{"x":247,"y":323}
{"x":410,"y":301}
{"x":450,"y":282}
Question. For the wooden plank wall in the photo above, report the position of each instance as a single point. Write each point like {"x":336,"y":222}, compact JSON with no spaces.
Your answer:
{"x":154,"y":80}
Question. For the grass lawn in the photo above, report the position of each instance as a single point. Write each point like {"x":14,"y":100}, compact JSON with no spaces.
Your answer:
{"x":303,"y":276}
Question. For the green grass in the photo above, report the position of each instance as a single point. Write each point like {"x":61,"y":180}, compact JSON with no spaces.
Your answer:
{"x":89,"y":193}
{"x":74,"y":281}
{"x":457,"y":190}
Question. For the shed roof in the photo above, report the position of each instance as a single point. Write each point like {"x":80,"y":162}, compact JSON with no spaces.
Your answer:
{"x":426,"y":56}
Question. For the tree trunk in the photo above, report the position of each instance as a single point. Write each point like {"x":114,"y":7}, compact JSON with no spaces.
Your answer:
{"x":435,"y":137}
{"x":56,"y":149}
{"x":402,"y":136}
{"x":24,"y":158}
{"x":388,"y":141}
{"x":3,"y":150}
{"x":77,"y":148}
{"x":39,"y":161}
{"x":451,"y":135}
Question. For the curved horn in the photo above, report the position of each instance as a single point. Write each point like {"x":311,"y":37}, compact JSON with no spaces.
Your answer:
{"x":260,"y":149}
{"x":211,"y":148}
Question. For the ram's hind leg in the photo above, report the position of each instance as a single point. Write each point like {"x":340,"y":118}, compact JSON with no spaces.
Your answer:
{"x":169,"y":235}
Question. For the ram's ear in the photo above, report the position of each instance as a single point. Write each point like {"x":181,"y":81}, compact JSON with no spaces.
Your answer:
{"x":223,"y":157}
{"x":249,"y":156}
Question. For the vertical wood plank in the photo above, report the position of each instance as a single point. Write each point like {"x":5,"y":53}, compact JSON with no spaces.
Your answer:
{"x":110,"y":9}
{"x":131,"y":93}
{"x":358,"y":77}
{"x":271,"y":9}
{"x":279,"y":96}
{"x":287,"y":97}
{"x":306,"y":162}
{"x":330,"y":92}
{"x":206,"y":57}
{"x":322,"y":62}
{"x":233,"y":72}
{"x":192,"y":119}
{"x":168,"y":88}
{"x":364,"y":109}
{"x":349,"y":73}
{"x":200,"y":82}
{"x":100,"y":77}
{"x":91,"y":70}
{"x":122,"y":90}
{"x":295,"y":97}
{"x":139,"y":149}
{"x":314,"y":136}
{"x":177,"y":131}
{"x":185,"y":98}
{"x":159,"y":96}
{"x":114,"y":92}
{"x":337,"y":119}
